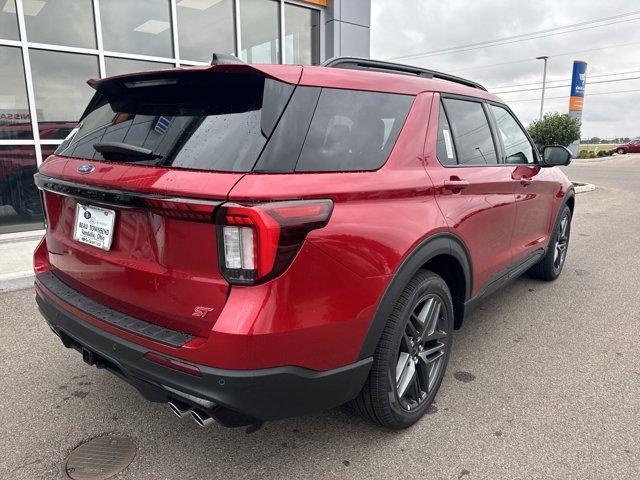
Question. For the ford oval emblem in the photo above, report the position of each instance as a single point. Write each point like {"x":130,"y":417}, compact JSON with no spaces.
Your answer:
{"x":85,"y":169}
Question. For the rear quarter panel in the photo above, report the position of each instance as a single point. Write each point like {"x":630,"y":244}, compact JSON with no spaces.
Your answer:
{"x":343,"y":269}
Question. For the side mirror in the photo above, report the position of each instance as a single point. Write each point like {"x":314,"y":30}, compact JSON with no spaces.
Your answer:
{"x":555,"y":155}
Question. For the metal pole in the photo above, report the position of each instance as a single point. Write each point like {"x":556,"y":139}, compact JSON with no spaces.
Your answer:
{"x":544,"y":83}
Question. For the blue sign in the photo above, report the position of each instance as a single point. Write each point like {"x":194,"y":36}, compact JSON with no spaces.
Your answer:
{"x":578,"y":79}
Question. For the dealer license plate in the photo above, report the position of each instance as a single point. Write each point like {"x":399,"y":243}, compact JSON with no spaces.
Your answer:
{"x":94,"y":226}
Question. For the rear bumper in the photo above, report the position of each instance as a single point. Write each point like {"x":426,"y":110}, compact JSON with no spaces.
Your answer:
{"x":234,"y":397}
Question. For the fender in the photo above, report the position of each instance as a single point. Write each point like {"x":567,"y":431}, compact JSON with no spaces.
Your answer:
{"x":438,"y":244}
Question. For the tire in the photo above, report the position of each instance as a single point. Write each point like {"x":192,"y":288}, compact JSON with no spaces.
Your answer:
{"x":550,"y":267}
{"x":621,"y":151}
{"x":425,"y":297}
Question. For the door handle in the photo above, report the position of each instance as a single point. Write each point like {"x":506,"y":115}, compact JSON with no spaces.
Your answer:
{"x":455,"y":183}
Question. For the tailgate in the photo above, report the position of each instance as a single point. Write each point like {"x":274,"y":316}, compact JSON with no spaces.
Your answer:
{"x":161,"y":266}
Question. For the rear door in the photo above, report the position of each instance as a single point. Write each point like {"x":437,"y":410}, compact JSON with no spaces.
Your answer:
{"x":533,"y":186}
{"x":130,"y":211}
{"x":473,"y":189}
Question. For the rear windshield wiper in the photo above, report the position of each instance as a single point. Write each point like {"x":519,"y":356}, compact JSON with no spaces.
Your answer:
{"x":119,"y":148}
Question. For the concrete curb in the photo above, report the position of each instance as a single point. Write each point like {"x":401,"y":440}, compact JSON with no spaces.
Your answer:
{"x":583,"y":187}
{"x":16,"y":281}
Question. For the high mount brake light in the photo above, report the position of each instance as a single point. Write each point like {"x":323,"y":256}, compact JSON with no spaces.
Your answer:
{"x":258,"y":242}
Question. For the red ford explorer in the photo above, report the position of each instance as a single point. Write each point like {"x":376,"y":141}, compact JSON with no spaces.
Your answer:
{"x":253,"y":242}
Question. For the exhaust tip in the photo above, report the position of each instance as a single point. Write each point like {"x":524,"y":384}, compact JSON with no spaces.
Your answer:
{"x":201,"y":418}
{"x":179,"y":409}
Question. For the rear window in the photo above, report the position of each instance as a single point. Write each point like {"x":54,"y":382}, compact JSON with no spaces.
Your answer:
{"x":239,"y":123}
{"x":215,"y":122}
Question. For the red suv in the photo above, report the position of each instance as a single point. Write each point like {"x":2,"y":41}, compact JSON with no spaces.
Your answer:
{"x":253,"y":242}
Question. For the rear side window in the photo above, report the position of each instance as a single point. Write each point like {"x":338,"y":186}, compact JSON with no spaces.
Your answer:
{"x":471,"y":132}
{"x":352,"y":130}
{"x":207,"y":122}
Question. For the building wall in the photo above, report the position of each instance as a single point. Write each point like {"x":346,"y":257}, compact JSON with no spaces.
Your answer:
{"x":347,"y":28}
{"x":49,"y":49}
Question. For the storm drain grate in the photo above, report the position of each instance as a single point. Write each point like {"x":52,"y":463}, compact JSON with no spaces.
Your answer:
{"x":100,"y":458}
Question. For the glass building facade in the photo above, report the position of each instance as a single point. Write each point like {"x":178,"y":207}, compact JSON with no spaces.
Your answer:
{"x":50,"y":48}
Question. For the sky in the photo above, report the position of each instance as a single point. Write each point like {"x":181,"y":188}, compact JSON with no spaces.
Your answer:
{"x":410,"y":27}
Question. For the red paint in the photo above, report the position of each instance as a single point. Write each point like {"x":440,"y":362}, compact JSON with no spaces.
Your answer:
{"x":317,"y":312}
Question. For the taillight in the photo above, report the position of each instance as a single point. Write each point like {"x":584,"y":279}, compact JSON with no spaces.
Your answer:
{"x":258,"y":242}
{"x":182,"y":208}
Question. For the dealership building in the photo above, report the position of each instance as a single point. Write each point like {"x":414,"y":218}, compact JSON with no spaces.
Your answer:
{"x":50,"y":48}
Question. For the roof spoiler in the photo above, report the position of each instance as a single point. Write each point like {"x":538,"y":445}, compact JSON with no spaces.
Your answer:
{"x":220,"y":63}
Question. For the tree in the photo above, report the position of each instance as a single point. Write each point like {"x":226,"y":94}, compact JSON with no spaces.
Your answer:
{"x":555,"y":129}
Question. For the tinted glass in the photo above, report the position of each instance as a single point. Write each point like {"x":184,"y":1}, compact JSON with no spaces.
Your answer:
{"x":141,"y":27}
{"x":302,"y":35}
{"x":204,"y":27}
{"x":20,"y":206}
{"x":471,"y":132}
{"x":445,"y":151}
{"x":517,"y":147}
{"x":62,"y":22}
{"x":61,"y":91}
{"x":353,"y":130}
{"x":259,"y":31}
{"x":9,"y":21}
{"x":203,"y":122}
{"x":120,"y":66}
{"x":15,"y":121}
{"x":283,"y":149}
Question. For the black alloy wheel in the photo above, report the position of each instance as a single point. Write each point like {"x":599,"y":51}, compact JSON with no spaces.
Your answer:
{"x":550,"y":266}
{"x":411,"y":357}
{"x":421,"y":353}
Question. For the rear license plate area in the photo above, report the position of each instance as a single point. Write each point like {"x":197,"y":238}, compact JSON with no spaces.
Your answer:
{"x":94,"y":226}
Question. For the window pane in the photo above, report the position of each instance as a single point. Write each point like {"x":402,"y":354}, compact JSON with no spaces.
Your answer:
{"x":141,"y":27}
{"x":120,"y":66}
{"x":9,"y":21}
{"x":15,"y":121}
{"x":302,"y":35}
{"x":63,"y":22}
{"x":204,"y":122}
{"x":20,"y":206}
{"x":204,"y":27}
{"x":61,"y":91}
{"x":471,"y":132}
{"x":352,"y":130}
{"x":445,"y":151}
{"x":259,"y":31}
{"x":517,"y":147}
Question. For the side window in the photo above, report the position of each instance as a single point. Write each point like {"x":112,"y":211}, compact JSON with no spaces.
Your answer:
{"x":445,"y":151}
{"x":352,"y":130}
{"x":471,"y":132}
{"x":517,"y":146}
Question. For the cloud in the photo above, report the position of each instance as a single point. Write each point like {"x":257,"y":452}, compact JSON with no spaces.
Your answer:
{"x":405,"y":27}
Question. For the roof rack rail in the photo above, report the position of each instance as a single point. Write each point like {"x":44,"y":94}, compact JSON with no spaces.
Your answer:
{"x":357,"y":63}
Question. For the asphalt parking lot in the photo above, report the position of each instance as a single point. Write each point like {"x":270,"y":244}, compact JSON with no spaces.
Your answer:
{"x":544,"y":382}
